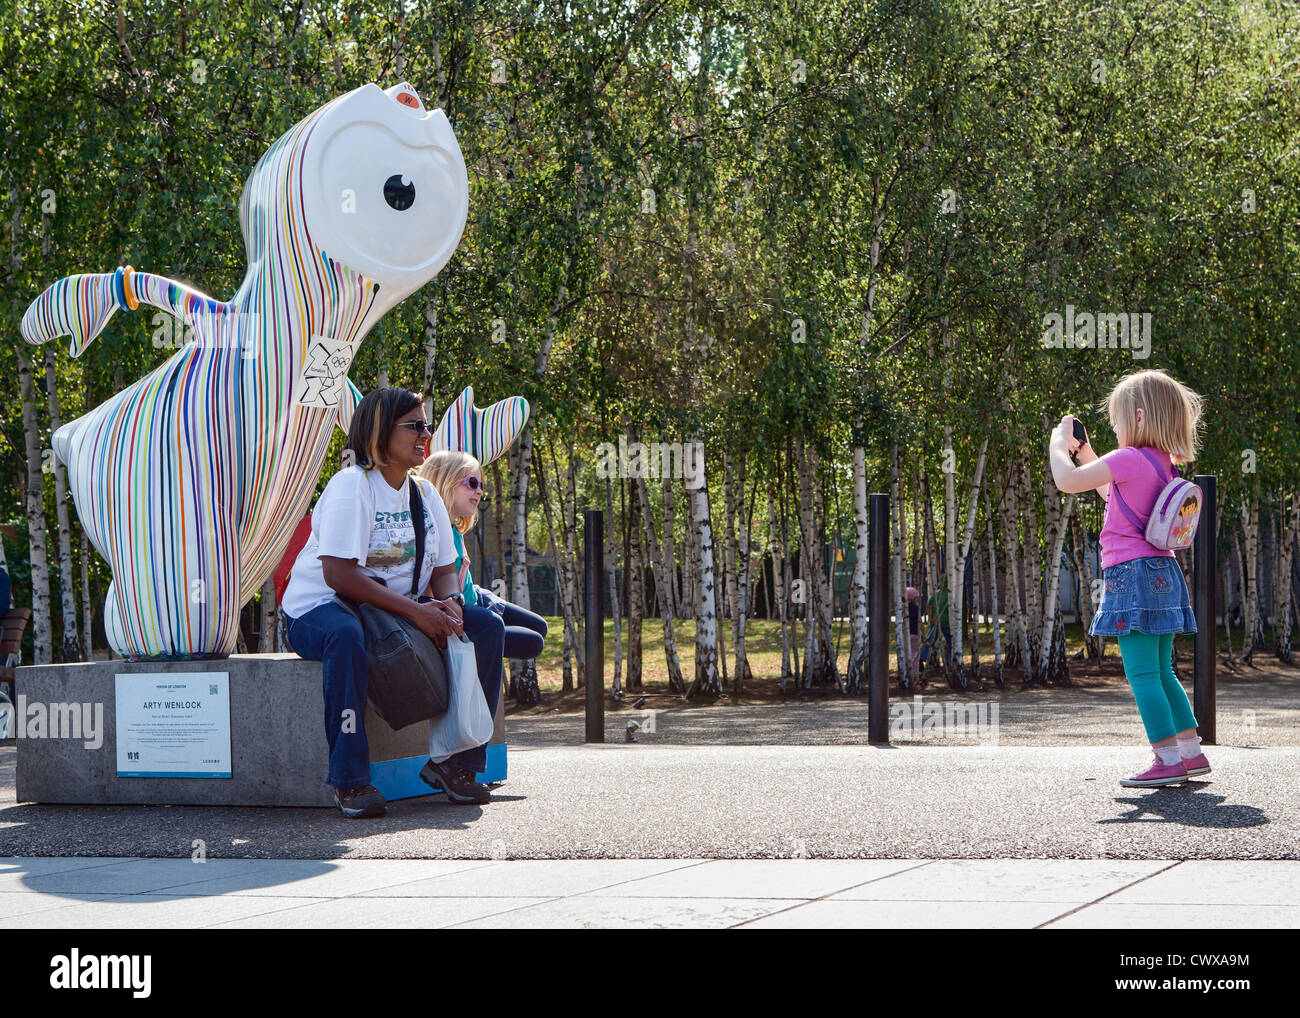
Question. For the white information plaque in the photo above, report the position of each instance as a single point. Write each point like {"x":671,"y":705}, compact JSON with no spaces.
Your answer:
{"x":173,"y":725}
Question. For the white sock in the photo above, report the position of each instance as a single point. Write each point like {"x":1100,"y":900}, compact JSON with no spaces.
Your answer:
{"x":1168,"y":755}
{"x":1189,"y":748}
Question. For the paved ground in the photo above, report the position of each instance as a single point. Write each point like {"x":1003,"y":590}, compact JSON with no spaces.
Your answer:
{"x":885,"y":893}
{"x":706,"y":822}
{"x":1261,"y":711}
{"x":737,"y":802}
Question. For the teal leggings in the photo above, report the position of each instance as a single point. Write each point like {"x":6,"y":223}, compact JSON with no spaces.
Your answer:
{"x":1149,"y":668}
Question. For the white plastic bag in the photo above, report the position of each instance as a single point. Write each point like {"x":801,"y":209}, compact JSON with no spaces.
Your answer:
{"x":468,"y":721}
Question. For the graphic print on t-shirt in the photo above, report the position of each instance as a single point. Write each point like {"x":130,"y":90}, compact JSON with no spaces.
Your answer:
{"x":392,"y":541}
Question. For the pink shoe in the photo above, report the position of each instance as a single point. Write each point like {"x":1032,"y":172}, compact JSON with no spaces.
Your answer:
{"x":1157,"y":774}
{"x":1197,"y":765}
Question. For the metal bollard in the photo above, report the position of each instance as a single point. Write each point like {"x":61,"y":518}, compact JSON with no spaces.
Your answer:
{"x":1205,"y":567}
{"x":878,"y":627}
{"x":593,"y":558}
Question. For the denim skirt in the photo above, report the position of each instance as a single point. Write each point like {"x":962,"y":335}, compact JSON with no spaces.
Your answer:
{"x":1144,"y":595}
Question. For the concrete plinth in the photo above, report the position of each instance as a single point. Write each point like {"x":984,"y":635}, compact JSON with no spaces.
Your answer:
{"x":279,"y":756}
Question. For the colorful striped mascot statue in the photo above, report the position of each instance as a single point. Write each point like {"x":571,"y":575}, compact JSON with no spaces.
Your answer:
{"x":190,"y":481}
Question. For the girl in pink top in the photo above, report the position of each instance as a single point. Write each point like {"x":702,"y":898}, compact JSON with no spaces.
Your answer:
{"x":1145,"y":599}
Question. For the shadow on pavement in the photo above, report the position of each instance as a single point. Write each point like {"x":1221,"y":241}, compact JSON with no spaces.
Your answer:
{"x":1190,"y":806}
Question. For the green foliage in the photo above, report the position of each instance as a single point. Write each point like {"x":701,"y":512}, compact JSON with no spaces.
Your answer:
{"x":844,"y":221}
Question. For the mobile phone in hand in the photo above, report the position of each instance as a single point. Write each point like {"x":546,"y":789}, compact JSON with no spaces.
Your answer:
{"x":1080,"y":433}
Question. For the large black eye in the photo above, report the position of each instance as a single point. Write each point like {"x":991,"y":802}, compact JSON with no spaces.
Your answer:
{"x":398,"y":193}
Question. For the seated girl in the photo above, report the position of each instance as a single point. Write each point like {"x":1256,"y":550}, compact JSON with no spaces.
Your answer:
{"x":458,"y":478}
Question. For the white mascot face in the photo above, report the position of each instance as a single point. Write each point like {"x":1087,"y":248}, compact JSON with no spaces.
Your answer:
{"x":390,"y":188}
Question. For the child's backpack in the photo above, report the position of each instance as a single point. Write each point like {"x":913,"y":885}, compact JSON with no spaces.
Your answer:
{"x":1172,"y":522}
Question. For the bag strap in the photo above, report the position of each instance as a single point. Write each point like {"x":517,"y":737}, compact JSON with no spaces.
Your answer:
{"x":417,"y":519}
{"x":1132,"y":517}
{"x":1160,"y":470}
{"x":1159,"y":467}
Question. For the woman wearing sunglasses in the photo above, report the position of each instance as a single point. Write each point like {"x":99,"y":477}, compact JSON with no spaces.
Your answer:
{"x":458,"y":478}
{"x":362,"y":547}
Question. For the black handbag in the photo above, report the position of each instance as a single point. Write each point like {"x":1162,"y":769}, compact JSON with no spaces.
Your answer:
{"x":408,"y":673}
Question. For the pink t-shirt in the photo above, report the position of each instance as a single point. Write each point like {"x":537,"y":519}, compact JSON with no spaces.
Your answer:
{"x":1136,"y":476}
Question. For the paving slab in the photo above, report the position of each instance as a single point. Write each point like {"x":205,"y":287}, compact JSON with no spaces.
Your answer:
{"x":914,"y":915}
{"x":122,"y":876}
{"x":375,"y":913}
{"x":16,"y":905}
{"x":295,"y":878}
{"x":546,"y":878}
{"x":759,"y":878}
{"x":589,"y":912}
{"x":154,"y":911}
{"x":1210,"y":882}
{"x":991,"y":880}
{"x":791,"y":893}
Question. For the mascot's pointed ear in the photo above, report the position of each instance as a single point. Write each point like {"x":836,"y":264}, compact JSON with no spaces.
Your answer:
{"x":484,"y":434}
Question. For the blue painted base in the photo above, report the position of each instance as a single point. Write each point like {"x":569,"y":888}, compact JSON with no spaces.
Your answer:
{"x":400,"y":779}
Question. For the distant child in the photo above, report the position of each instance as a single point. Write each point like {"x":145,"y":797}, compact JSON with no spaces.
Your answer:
{"x":913,"y":632}
{"x":1145,"y":601}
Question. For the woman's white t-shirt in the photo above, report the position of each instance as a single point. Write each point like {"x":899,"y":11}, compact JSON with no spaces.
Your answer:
{"x":359,"y":516}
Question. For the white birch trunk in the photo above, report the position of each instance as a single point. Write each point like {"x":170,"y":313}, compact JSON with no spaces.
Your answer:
{"x":42,"y":624}
{"x":88,"y":643}
{"x":856,"y":677}
{"x":71,"y":645}
{"x":951,"y":571}
{"x":741,"y":603}
{"x":1014,"y":546}
{"x":658,"y":564}
{"x":1033,"y":574}
{"x":937,"y":582}
{"x":269,"y":621}
{"x":674,"y":593}
{"x":610,"y":565}
{"x":1083,"y":563}
{"x":521,"y":455}
{"x":430,"y":357}
{"x":569,"y":637}
{"x":707,"y":677}
{"x":635,"y":579}
{"x":1059,"y":517}
{"x":780,"y":597}
{"x":901,"y":635}
{"x":1288,"y":615}
{"x":957,"y":569}
{"x":993,"y":590}
{"x":1254,"y":624}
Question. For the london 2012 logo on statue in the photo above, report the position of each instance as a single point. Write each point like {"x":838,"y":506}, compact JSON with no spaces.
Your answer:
{"x":191,"y":480}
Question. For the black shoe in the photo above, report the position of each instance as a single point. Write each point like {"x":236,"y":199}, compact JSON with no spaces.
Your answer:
{"x":457,"y":782}
{"x":364,"y":801}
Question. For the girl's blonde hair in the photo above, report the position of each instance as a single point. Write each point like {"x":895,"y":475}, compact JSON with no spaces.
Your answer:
{"x":1171,"y":413}
{"x":445,"y":469}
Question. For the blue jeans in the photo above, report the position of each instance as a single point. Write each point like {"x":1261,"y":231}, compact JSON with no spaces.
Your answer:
{"x":332,"y":635}
{"x":486,"y":631}
{"x":525,"y":632}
